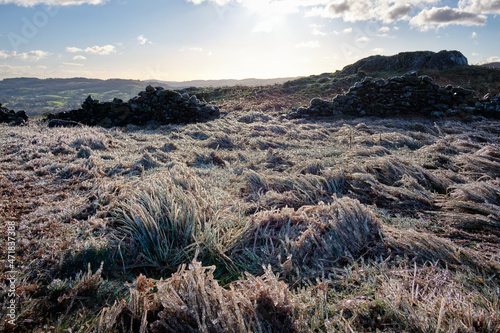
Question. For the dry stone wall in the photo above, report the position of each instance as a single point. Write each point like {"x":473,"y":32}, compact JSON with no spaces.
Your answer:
{"x":152,"y":106}
{"x":12,"y":117}
{"x":402,"y":95}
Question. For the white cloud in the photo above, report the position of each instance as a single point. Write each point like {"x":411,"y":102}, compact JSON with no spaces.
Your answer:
{"x":418,"y":12}
{"x":271,"y":7}
{"x":316,"y":30}
{"x":15,"y":71}
{"x":142,"y":40}
{"x":101,"y":50}
{"x":480,"y":6}
{"x":363,"y":40}
{"x":377,"y":50}
{"x":383,"y":32}
{"x":32,"y":56}
{"x":347,"y":30}
{"x":36,"y":55}
{"x":217,"y":2}
{"x":493,"y":59}
{"x":72,"y":64}
{"x":310,"y":44}
{"x":444,"y":16}
{"x":72,"y":49}
{"x":473,"y":35}
{"x":79,"y":57}
{"x":474,"y":54}
{"x":364,"y":10}
{"x":192,"y":49}
{"x":31,"y":3}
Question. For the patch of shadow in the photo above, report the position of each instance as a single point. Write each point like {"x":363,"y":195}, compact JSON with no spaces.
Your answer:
{"x":199,"y":136}
{"x":168,"y":148}
{"x":75,"y":263}
{"x":223,"y":142}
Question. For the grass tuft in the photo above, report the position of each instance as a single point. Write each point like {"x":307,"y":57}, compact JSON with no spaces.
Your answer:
{"x":193,"y":301}
{"x":310,"y":239}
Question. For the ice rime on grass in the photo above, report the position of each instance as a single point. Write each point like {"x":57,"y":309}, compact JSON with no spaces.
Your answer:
{"x":193,"y":301}
{"x":311,"y":238}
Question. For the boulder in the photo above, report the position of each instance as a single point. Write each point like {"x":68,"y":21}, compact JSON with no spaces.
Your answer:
{"x":407,"y":61}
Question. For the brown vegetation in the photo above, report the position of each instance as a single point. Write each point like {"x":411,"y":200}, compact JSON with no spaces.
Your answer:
{"x":255,"y":223}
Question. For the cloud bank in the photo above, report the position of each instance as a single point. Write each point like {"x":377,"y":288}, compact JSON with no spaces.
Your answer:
{"x":32,"y":56}
{"x":441,"y":17}
{"x":421,"y":14}
{"x":99,"y":50}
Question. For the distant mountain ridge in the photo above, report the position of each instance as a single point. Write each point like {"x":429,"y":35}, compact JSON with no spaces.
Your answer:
{"x":492,"y":65}
{"x":251,"y":82}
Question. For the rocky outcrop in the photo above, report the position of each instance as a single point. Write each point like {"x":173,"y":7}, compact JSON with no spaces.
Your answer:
{"x":12,"y":117}
{"x":154,"y":105}
{"x":402,"y":95}
{"x":407,"y":61}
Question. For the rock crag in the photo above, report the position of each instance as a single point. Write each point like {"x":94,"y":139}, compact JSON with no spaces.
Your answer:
{"x":152,"y":106}
{"x":409,"y":94}
{"x":407,"y":61}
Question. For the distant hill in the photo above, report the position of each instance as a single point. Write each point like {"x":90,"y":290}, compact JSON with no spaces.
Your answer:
{"x":492,"y":65}
{"x":221,"y":83}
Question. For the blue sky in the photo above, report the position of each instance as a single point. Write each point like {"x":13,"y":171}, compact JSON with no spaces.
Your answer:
{"x":219,"y":39}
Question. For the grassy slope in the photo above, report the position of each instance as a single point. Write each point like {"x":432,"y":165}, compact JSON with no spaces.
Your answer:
{"x":362,"y":225}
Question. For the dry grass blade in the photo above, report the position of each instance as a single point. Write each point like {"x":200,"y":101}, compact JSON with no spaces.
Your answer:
{"x":428,"y":247}
{"x":293,"y":190}
{"x":474,"y":206}
{"x":484,"y":162}
{"x":389,"y":170}
{"x":312,"y":237}
{"x":193,"y":301}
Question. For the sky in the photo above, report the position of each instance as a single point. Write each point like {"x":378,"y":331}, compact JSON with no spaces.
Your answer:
{"x":179,"y":40}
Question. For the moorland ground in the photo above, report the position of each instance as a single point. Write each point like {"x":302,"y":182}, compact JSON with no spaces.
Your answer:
{"x":254,"y":222}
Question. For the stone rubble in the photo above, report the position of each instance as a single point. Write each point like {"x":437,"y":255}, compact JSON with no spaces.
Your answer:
{"x":152,"y":106}
{"x":401,"y":95}
{"x":12,"y":117}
